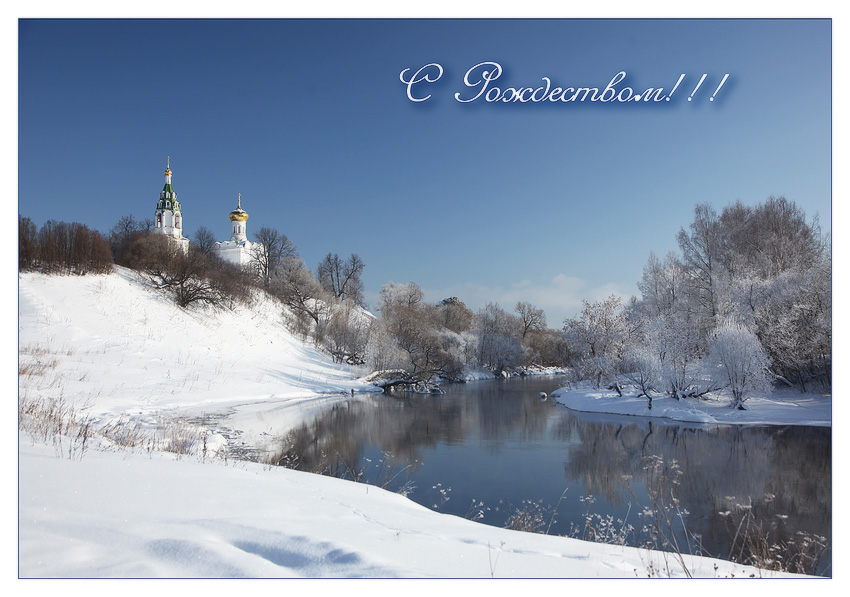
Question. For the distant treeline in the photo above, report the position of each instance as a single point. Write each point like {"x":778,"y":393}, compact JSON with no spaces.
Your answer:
{"x":62,"y":248}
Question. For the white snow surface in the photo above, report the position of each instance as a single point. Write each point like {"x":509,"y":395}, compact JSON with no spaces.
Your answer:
{"x":113,"y":347}
{"x":781,"y":407}
{"x":118,"y":514}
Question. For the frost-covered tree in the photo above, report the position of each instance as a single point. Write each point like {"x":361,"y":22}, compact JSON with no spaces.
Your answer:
{"x":394,"y":294}
{"x":642,"y":367}
{"x":768,"y":268}
{"x":769,"y":239}
{"x":791,"y":314}
{"x":662,"y":286}
{"x":599,"y":335}
{"x":347,"y":333}
{"x":429,"y":350}
{"x":498,"y":333}
{"x":601,"y":328}
{"x":701,"y":248}
{"x":382,"y":352}
{"x":678,"y":348}
{"x":739,"y":361}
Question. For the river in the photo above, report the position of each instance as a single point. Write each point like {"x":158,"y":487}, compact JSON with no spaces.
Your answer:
{"x":490,"y":450}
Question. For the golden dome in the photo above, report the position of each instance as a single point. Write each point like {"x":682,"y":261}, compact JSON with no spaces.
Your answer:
{"x":238,"y":214}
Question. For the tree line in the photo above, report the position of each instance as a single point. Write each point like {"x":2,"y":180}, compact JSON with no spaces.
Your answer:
{"x":59,"y":247}
{"x":744,"y":303}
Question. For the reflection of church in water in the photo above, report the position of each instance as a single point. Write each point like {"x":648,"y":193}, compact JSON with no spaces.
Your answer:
{"x":168,"y":220}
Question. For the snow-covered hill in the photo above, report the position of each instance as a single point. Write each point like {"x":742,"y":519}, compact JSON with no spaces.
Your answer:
{"x":115,"y":346}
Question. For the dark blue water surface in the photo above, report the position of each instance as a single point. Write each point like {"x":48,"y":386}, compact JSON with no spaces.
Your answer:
{"x":488,"y":450}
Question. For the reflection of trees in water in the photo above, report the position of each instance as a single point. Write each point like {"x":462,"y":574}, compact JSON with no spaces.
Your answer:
{"x":335,"y":442}
{"x":765,"y":468}
{"x":496,"y":419}
{"x":777,"y":470}
{"x":404,"y":424}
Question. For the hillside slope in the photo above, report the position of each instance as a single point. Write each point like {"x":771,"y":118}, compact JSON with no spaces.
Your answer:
{"x":115,"y":346}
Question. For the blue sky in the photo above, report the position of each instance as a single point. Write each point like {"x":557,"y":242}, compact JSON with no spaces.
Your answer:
{"x":310,"y":122}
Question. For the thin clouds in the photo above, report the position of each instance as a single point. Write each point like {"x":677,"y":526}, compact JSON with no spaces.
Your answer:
{"x":559,"y":297}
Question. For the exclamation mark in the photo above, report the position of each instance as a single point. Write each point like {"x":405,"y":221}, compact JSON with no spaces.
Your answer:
{"x":701,"y":79}
{"x":726,"y":76}
{"x":682,"y":76}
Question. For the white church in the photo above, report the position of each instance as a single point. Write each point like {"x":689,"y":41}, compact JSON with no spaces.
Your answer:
{"x":168,"y":220}
{"x":238,"y":249}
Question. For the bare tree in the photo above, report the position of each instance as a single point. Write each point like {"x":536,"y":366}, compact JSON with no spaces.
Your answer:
{"x":301,"y":292}
{"x":342,"y":278}
{"x":205,"y":241}
{"x":64,"y":248}
{"x":27,"y":244}
{"x":187,"y":276}
{"x":453,"y":314}
{"x":549,"y":348}
{"x":273,"y":250}
{"x":533,"y":319}
{"x":123,"y":234}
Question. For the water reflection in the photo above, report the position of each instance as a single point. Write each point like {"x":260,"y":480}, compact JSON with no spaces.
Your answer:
{"x":496,"y":443}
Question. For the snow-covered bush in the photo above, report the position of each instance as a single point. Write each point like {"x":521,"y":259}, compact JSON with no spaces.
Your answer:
{"x":739,"y":361}
{"x":676,"y":346}
{"x":600,"y":370}
{"x":643,"y":369}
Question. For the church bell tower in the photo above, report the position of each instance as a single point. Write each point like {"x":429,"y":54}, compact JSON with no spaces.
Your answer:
{"x":168,"y":218}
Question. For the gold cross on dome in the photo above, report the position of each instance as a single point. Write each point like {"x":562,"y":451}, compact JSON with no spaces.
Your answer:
{"x":239,"y":201}
{"x":168,"y":162}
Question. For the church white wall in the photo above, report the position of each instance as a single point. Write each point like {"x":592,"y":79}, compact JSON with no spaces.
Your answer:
{"x":238,"y":253}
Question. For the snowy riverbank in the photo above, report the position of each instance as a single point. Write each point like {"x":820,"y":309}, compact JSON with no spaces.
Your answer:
{"x":116,"y":351}
{"x":119,"y":350}
{"x":118,"y":514}
{"x":781,"y":407}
